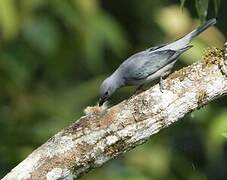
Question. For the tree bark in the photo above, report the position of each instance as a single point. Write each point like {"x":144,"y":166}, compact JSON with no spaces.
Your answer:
{"x":102,"y":135}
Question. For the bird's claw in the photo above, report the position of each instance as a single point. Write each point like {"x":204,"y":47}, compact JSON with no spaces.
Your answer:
{"x":161,"y":84}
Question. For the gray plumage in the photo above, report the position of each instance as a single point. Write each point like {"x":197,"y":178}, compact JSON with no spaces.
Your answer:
{"x":153,"y":63}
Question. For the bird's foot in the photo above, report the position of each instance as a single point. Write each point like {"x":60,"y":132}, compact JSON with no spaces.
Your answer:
{"x":161,"y":84}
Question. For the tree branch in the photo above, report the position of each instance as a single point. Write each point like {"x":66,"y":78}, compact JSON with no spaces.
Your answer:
{"x":100,"y":136}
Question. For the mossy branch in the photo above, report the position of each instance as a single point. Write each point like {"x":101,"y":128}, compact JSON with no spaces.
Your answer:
{"x":102,"y":135}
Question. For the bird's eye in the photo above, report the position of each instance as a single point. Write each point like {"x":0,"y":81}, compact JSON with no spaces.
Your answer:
{"x":106,"y":93}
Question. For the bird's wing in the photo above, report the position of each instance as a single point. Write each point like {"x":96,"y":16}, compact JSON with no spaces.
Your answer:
{"x":143,"y":64}
{"x":156,"y":47}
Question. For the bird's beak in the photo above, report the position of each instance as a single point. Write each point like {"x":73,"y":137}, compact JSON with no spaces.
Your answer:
{"x":101,"y":101}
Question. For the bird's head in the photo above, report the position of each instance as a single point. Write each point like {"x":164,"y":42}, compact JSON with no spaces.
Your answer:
{"x":107,"y":88}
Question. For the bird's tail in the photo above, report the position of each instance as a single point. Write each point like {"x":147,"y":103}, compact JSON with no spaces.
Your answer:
{"x":200,"y":29}
{"x":185,"y":40}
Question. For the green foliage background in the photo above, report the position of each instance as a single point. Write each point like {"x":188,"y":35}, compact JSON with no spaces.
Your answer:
{"x":54,"y":55}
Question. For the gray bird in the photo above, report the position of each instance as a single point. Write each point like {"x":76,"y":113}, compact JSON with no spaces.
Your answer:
{"x":148,"y":65}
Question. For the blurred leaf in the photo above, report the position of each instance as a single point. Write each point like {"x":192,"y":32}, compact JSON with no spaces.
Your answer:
{"x":9,"y":19}
{"x":87,"y":7}
{"x":219,"y":126}
{"x":42,"y":34}
{"x":67,"y":13}
{"x":103,"y":33}
{"x":28,"y":7}
{"x":115,"y":36}
{"x":157,"y":156}
{"x":182,"y":3}
{"x":216,"y":6}
{"x":13,"y":75}
{"x":97,"y":31}
{"x":202,"y":7}
{"x":225,"y":134}
{"x":217,"y":130}
{"x":172,"y":16}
